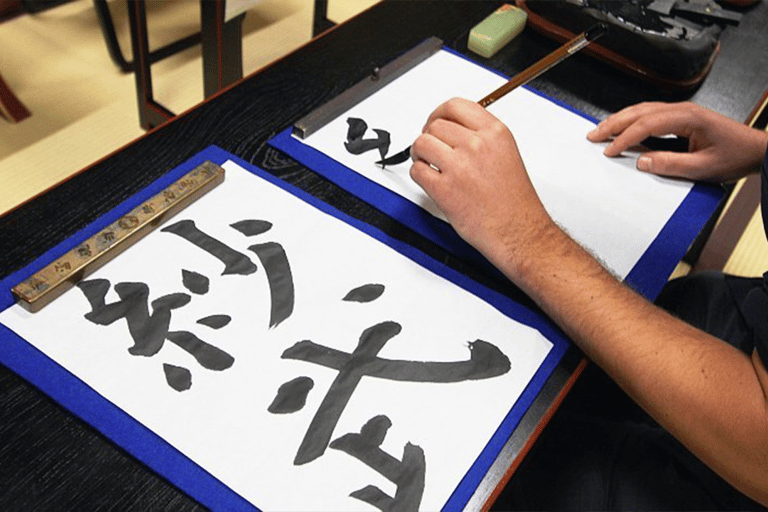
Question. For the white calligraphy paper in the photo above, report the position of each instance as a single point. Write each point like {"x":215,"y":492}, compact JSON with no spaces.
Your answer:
{"x":605,"y":204}
{"x":222,"y":421}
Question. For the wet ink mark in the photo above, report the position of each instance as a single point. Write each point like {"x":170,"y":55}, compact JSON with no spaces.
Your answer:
{"x":207,"y":355}
{"x":356,"y":128}
{"x":408,"y":475}
{"x":486,"y":361}
{"x":291,"y":396}
{"x":365,"y":293}
{"x":234,"y":262}
{"x":148,"y":332}
{"x":350,"y":373}
{"x":357,"y":145}
{"x":194,"y":282}
{"x":177,"y":377}
{"x":280,"y":279}
{"x":252,"y":227}
{"x":215,"y":321}
{"x":271,"y":254}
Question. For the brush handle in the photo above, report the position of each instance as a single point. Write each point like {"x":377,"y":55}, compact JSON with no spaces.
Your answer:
{"x":565,"y":51}
{"x":554,"y":58}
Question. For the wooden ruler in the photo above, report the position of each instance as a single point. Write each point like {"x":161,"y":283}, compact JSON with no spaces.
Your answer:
{"x":59,"y":276}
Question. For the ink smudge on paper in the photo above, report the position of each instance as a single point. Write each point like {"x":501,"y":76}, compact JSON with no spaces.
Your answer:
{"x":280,"y":280}
{"x":365,"y":293}
{"x":177,"y":377}
{"x":357,"y":145}
{"x":215,"y":321}
{"x":292,"y":396}
{"x":252,"y":227}
{"x":194,"y":282}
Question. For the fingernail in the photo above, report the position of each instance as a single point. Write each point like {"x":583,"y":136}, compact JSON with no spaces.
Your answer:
{"x":644,"y":163}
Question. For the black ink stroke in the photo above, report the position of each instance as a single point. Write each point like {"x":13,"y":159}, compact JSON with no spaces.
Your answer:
{"x":408,"y":475}
{"x":194,"y":282}
{"x":234,"y":262}
{"x":356,"y":128}
{"x":215,"y":321}
{"x":351,"y":370}
{"x":280,"y":279}
{"x":177,"y":377}
{"x":395,"y":159}
{"x":252,"y":227}
{"x":357,"y":145}
{"x":207,"y":355}
{"x":486,"y":361}
{"x":148,"y":332}
{"x":291,"y":396}
{"x":271,"y":254}
{"x":365,"y":293}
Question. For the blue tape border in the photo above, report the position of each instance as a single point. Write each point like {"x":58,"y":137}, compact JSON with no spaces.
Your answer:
{"x":83,"y":401}
{"x":384,"y":199}
{"x":523,"y":314}
{"x":647,"y":276}
{"x":87,"y":404}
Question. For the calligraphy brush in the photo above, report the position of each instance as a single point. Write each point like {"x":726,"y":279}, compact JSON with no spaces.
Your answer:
{"x":557,"y":56}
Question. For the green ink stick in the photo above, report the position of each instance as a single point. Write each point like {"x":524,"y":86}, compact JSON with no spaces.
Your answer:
{"x":490,"y":35}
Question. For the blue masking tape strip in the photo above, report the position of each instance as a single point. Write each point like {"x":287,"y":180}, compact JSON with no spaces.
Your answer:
{"x":87,"y":404}
{"x":652,"y":270}
{"x":525,"y":315}
{"x":75,"y":395}
{"x":389,"y":202}
{"x":83,"y":401}
{"x":647,"y":276}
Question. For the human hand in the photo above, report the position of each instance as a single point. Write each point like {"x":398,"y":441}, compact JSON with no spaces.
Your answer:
{"x":720,"y":149}
{"x":481,"y":186}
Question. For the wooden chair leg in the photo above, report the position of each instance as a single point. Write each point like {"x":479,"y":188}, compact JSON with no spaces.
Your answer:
{"x":222,"y":47}
{"x":151,"y":113}
{"x":222,"y":56}
{"x":10,"y":107}
{"x":113,"y":45}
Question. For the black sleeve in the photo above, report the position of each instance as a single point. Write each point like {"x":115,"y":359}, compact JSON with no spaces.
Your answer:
{"x":755,"y":308}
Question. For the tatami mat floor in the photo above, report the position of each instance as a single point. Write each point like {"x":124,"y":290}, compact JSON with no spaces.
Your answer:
{"x":750,"y":256}
{"x":84,"y":108}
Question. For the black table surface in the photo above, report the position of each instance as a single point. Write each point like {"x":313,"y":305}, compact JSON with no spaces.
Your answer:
{"x":51,"y":460}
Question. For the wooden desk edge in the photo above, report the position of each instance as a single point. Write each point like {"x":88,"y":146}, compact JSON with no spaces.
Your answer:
{"x":535,"y":419}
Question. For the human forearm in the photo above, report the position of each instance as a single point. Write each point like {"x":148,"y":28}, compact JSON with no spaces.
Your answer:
{"x":708,"y":394}
{"x":702,"y":390}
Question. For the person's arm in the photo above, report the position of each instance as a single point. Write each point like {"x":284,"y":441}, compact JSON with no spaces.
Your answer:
{"x":709,"y":395}
{"x":720,"y":149}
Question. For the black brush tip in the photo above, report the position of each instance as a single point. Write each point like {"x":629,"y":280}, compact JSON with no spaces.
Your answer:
{"x":596,"y":31}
